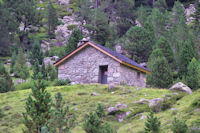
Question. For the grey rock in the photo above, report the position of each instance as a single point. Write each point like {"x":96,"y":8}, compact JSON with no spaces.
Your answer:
{"x":28,"y":64}
{"x":121,"y":116}
{"x":94,"y":94}
{"x":181,"y":87}
{"x":175,"y":93}
{"x":112,"y":110}
{"x":112,"y":87}
{"x":121,"y":106}
{"x":142,"y":101}
{"x":155,"y":104}
{"x":75,"y":109}
{"x":143,"y":117}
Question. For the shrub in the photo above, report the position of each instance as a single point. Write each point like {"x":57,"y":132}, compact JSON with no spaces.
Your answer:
{"x":71,"y":27}
{"x":1,"y":113}
{"x":25,"y":85}
{"x":100,"y":110}
{"x":152,"y":124}
{"x":179,"y":126}
{"x":196,"y":102}
{"x":61,"y":82}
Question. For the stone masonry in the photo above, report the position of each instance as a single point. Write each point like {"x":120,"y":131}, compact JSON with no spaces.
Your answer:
{"x":83,"y":67}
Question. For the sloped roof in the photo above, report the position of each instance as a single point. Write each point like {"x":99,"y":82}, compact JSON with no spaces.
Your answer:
{"x":116,"y":56}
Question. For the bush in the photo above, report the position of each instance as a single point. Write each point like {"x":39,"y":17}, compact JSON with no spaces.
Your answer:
{"x":24,"y":85}
{"x":196,"y":102}
{"x":61,"y":82}
{"x":1,"y":113}
{"x":100,"y":110}
{"x":152,"y":124}
{"x":179,"y":126}
{"x":71,"y":27}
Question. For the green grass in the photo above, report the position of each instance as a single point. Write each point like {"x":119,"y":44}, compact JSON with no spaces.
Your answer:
{"x":79,"y":96}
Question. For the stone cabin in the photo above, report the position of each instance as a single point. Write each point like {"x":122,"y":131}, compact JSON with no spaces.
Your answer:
{"x":94,"y":63}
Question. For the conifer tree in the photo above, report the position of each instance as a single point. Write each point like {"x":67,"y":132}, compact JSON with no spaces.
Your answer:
{"x":13,"y":61}
{"x":36,"y":69}
{"x":52,"y":19}
{"x":186,"y":55}
{"x":166,"y":49}
{"x":20,"y":68}
{"x":36,"y":53}
{"x":6,"y":83}
{"x":38,"y":106}
{"x":161,"y":75}
{"x":161,"y":5}
{"x":138,"y":42}
{"x":193,"y":74}
{"x":152,"y":124}
{"x":74,"y":38}
{"x":43,"y":71}
{"x":179,"y":126}
{"x":62,"y":120}
{"x":51,"y":72}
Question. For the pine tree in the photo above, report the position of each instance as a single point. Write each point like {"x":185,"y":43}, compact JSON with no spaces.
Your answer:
{"x":62,"y":120}
{"x":43,"y":71}
{"x":159,"y":22}
{"x":161,"y":5}
{"x":138,"y":42}
{"x":74,"y":38}
{"x":193,"y":74}
{"x":38,"y":106}
{"x":197,"y":17}
{"x":179,"y":126}
{"x":186,"y":55}
{"x":52,"y":19}
{"x":6,"y":83}
{"x":152,"y":124}
{"x":166,"y":49}
{"x":36,"y":53}
{"x":13,"y":61}
{"x":161,"y":75}
{"x":20,"y":68}
{"x":36,"y":69}
{"x":51,"y":72}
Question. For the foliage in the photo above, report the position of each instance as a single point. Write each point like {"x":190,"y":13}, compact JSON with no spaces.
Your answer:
{"x":179,"y":126}
{"x":74,"y":38}
{"x":93,"y":123}
{"x":5,"y":80}
{"x":71,"y":27}
{"x":193,"y":74}
{"x":161,"y":75}
{"x":56,"y":51}
{"x":13,"y":61}
{"x":1,"y":113}
{"x":138,"y":42}
{"x":166,"y":49}
{"x":20,"y":68}
{"x":186,"y":55}
{"x":52,"y":19}
{"x":38,"y":105}
{"x":36,"y":69}
{"x":152,"y":124}
{"x":161,"y":5}
{"x":62,"y":119}
{"x":61,"y":82}
{"x":25,"y":85}
{"x":36,"y":53}
{"x":51,"y":72}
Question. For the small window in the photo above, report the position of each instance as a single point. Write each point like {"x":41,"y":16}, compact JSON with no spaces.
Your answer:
{"x":138,"y":75}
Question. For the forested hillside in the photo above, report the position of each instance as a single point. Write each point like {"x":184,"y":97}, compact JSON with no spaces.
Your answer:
{"x":162,"y":35}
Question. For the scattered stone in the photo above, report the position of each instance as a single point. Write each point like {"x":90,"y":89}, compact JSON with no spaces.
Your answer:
{"x":75,"y":109}
{"x":50,"y":60}
{"x":74,"y":83}
{"x":197,"y":110}
{"x":175,"y":93}
{"x":155,"y":104}
{"x":121,"y":116}
{"x":112,"y":92}
{"x":121,"y":106}
{"x":112,"y":110}
{"x":112,"y":87}
{"x":12,"y":74}
{"x":142,"y":101}
{"x":28,"y":64}
{"x":94,"y":94}
{"x":7,"y":108}
{"x":181,"y":87}
{"x":138,"y":88}
{"x":143,"y":117}
{"x":172,"y":109}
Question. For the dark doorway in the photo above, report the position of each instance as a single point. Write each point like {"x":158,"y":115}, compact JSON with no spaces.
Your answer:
{"x":103,"y":74}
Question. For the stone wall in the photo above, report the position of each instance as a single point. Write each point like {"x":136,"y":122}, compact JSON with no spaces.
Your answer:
{"x":83,"y":67}
{"x":132,"y":77}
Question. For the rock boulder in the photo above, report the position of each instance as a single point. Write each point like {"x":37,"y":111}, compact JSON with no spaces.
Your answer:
{"x":181,"y":87}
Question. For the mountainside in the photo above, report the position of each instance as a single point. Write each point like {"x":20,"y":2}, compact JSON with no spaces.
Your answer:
{"x":84,"y":98}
